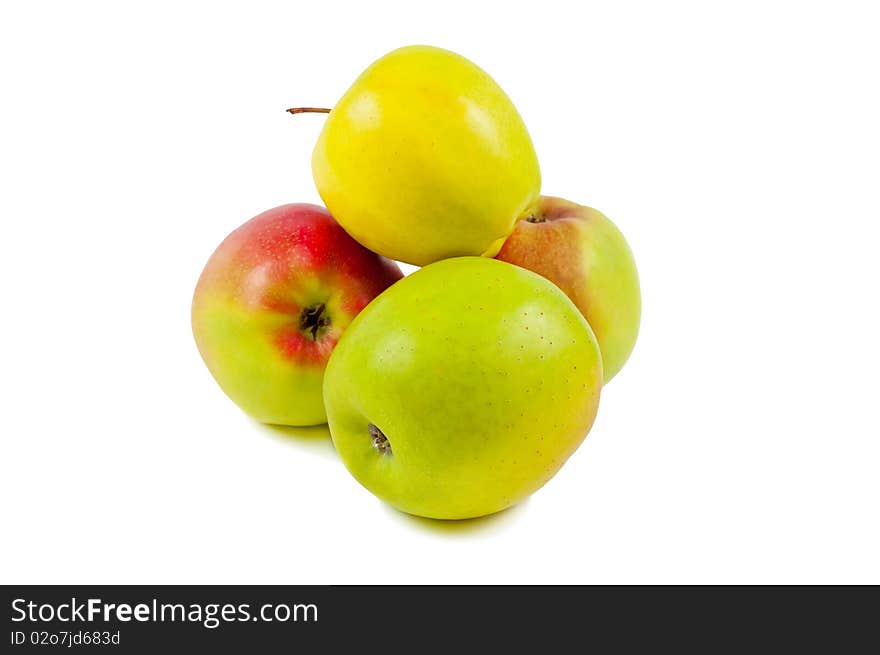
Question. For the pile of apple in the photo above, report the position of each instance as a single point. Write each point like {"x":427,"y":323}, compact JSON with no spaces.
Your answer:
{"x":458,"y":390}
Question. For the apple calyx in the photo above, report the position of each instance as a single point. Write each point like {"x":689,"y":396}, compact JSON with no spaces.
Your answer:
{"x":308,"y":110}
{"x":532,"y":218}
{"x":314,"y":319}
{"x":380,"y":441}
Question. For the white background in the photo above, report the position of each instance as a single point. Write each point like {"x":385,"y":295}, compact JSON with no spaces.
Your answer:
{"x":738,"y":149}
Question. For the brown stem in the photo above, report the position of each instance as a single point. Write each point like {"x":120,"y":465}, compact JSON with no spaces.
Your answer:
{"x":308,"y":110}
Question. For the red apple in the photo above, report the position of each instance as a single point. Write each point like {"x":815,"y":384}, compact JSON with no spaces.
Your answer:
{"x":271,"y":304}
{"x":586,"y":256}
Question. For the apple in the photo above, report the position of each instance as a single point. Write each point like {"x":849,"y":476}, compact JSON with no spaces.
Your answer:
{"x":463,"y":388}
{"x":271,"y":304}
{"x":586,"y":256}
{"x":425,"y":158}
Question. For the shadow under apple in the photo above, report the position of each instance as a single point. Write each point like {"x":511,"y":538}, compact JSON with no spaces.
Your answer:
{"x":314,"y":438}
{"x":480,"y":524}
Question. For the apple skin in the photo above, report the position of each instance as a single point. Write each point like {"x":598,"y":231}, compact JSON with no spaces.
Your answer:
{"x":426,"y":158}
{"x":585,"y":255}
{"x":256,"y":313}
{"x":463,"y":388}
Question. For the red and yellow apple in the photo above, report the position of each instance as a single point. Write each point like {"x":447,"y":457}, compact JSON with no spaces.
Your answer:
{"x":272,"y":302}
{"x":585,"y":255}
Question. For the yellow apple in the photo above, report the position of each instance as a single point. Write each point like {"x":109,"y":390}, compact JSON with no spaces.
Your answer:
{"x":425,"y":157}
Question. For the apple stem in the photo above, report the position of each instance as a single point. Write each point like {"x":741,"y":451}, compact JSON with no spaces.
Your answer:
{"x":308,"y":110}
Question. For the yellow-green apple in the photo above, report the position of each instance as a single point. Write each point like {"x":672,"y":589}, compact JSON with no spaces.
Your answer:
{"x":425,"y":158}
{"x":586,"y":256}
{"x":463,"y":388}
{"x":271,"y":304}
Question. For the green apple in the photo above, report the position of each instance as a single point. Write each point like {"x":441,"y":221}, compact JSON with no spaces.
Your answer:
{"x":584,"y":253}
{"x":425,"y":158}
{"x":463,"y":388}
